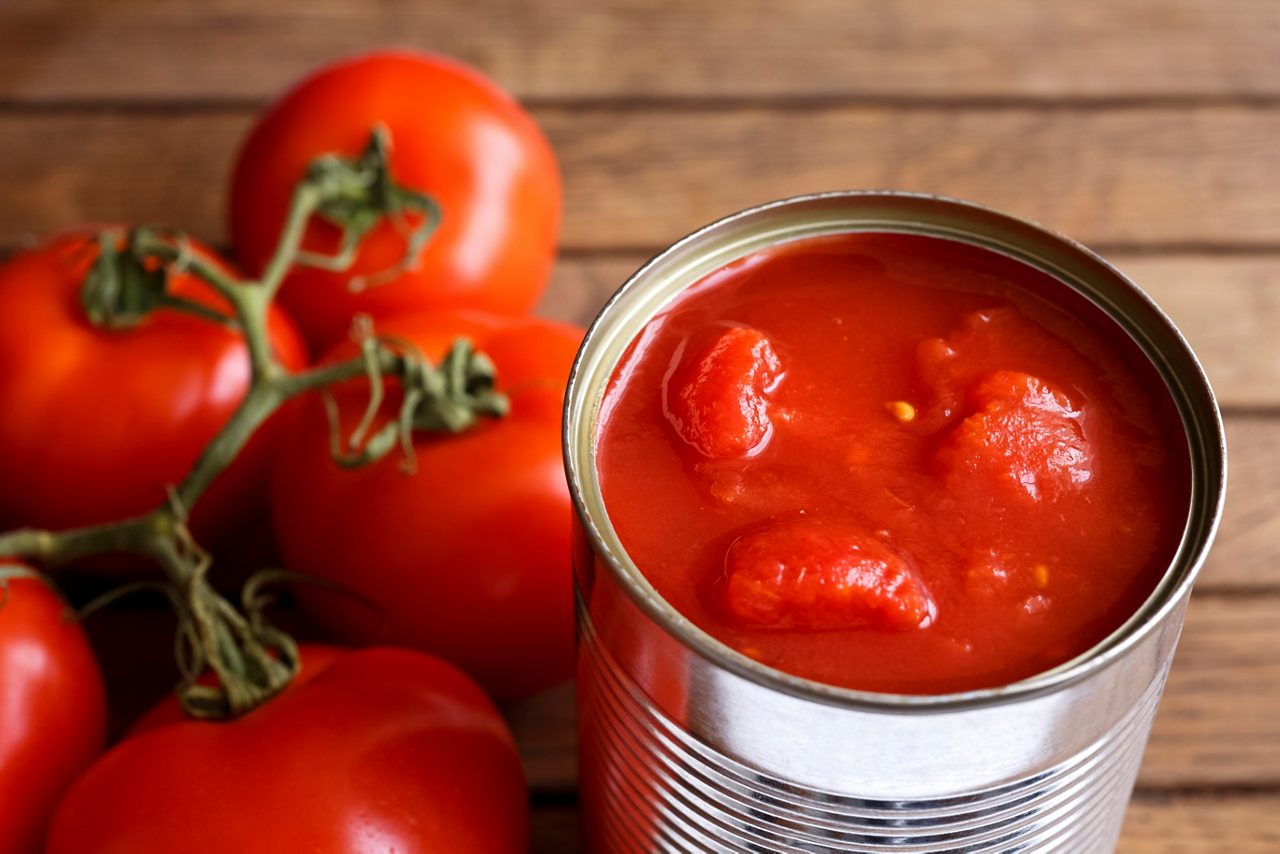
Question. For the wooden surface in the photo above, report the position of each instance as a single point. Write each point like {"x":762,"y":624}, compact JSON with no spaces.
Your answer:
{"x":1149,"y":128}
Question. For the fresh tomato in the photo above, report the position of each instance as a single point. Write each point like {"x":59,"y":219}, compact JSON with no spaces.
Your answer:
{"x":53,"y":708}
{"x":382,"y":750}
{"x":454,"y":136}
{"x":169,"y":711}
{"x":99,"y":421}
{"x":468,"y":557}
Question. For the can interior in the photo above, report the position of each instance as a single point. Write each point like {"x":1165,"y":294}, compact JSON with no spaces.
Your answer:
{"x":665,"y":276}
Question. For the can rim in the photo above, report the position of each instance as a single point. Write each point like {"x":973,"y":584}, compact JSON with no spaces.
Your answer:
{"x":1163,"y":598}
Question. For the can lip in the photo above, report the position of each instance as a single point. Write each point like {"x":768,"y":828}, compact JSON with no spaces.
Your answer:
{"x":1165,"y":597}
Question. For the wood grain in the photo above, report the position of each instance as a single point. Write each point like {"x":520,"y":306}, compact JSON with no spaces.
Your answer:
{"x":1141,"y":176}
{"x":1186,"y":824}
{"x":546,"y":734}
{"x":641,"y":178}
{"x":1246,"y":555}
{"x":1217,"y":723}
{"x":1143,"y":125}
{"x":565,"y":49}
{"x":1239,"y":823}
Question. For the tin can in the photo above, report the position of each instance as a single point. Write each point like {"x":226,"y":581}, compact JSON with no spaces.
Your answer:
{"x":688,"y":745}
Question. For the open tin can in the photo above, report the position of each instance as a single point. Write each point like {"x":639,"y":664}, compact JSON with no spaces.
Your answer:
{"x":688,"y":745}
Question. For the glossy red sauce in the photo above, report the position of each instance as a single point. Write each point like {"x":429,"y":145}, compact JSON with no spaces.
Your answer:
{"x":893,"y":463}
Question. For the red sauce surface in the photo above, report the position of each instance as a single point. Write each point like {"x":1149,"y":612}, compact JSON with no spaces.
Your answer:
{"x":893,"y":463}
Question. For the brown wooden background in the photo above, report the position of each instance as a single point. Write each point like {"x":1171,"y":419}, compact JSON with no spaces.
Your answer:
{"x":1147,"y":128}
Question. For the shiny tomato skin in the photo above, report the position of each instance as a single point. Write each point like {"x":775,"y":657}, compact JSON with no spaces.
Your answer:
{"x":169,"y":711}
{"x":467,"y":558}
{"x":455,"y":136}
{"x":718,"y":401}
{"x":802,"y":574}
{"x":1024,"y":442}
{"x":53,"y":708}
{"x":383,"y":750}
{"x":99,"y":421}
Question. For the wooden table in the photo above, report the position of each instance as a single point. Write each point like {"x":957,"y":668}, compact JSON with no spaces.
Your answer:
{"x":1150,"y":130}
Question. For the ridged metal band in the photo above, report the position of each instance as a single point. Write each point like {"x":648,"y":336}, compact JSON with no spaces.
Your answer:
{"x":656,"y":788}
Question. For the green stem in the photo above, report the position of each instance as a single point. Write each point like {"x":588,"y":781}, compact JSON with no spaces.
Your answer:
{"x":200,"y":310}
{"x":306,"y":199}
{"x":249,"y":302}
{"x":327,"y":375}
{"x":171,"y":249}
{"x":262,"y":400}
{"x":134,"y":536}
{"x":252,"y":660}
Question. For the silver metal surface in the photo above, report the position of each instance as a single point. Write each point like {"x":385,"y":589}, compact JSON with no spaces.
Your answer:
{"x":687,"y":745}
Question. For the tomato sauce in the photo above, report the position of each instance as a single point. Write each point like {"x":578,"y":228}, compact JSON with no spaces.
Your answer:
{"x":893,"y":463}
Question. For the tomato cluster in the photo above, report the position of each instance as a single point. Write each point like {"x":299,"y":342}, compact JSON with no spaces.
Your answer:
{"x":451,"y":552}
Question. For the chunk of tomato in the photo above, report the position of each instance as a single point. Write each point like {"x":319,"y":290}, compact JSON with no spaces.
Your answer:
{"x":1024,"y":440}
{"x":812,"y":575}
{"x":718,"y":401}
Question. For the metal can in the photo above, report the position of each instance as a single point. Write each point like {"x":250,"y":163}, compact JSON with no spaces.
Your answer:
{"x":688,"y":745}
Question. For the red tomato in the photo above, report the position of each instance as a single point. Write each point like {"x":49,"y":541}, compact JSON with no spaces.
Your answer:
{"x":99,"y":421}
{"x":469,"y":557}
{"x":169,"y":711}
{"x":456,"y":137}
{"x":811,"y":575}
{"x":1024,"y":442}
{"x":53,"y":709}
{"x":719,"y":401}
{"x":383,"y":750}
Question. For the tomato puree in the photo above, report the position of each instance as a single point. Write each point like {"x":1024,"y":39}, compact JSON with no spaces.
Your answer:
{"x":893,"y":463}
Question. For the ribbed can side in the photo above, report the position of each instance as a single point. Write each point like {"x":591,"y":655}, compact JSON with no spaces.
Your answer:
{"x":652,"y":786}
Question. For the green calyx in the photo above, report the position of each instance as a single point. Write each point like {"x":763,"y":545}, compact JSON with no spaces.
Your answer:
{"x":451,"y":397}
{"x":130,"y":277}
{"x":356,"y":194}
{"x":121,"y":288}
{"x":252,"y":659}
{"x":447,"y":398}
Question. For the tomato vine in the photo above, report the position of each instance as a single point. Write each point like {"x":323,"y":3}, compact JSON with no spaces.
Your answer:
{"x":252,"y":659}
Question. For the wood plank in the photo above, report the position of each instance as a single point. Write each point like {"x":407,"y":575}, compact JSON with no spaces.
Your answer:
{"x":641,"y":178}
{"x":553,"y":829}
{"x":1246,"y":555}
{"x":1217,"y":723}
{"x":1184,"y":824}
{"x":1229,"y":310}
{"x":218,"y":49}
{"x":1194,"y":824}
{"x":1141,"y":176}
{"x":546,"y":734}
